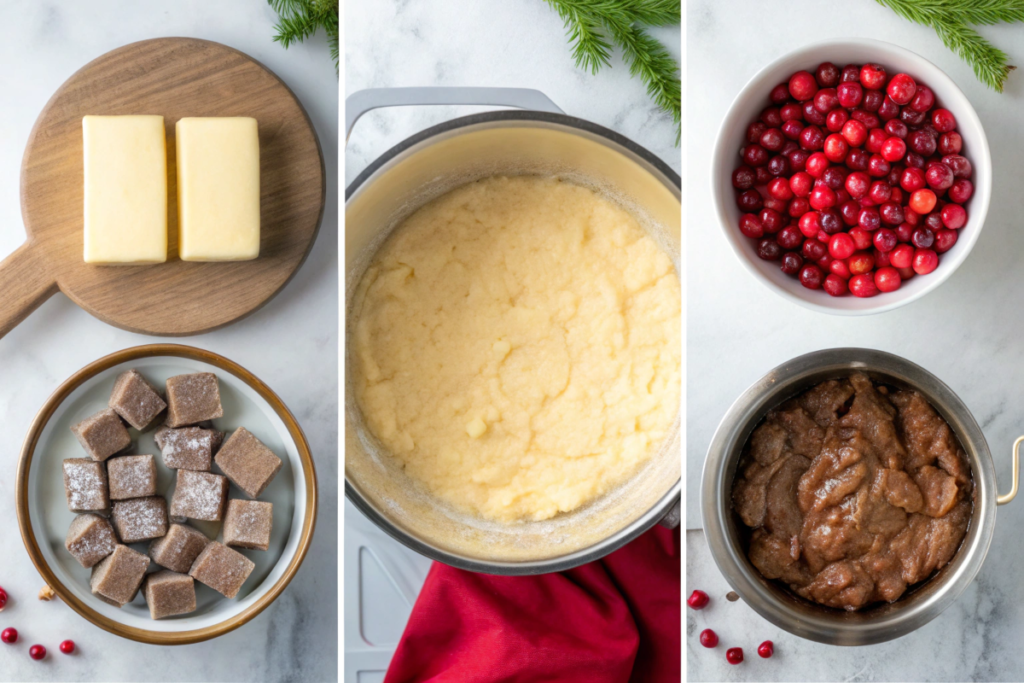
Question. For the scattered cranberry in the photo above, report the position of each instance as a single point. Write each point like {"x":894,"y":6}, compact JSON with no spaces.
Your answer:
{"x":9,"y":635}
{"x":3,"y":598}
{"x":734,"y":655}
{"x":766,"y":649}
{"x":67,"y":646}
{"x":37,"y":652}
{"x":708,"y":638}
{"x":700,"y":599}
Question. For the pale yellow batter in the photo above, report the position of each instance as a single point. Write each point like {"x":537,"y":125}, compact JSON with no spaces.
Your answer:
{"x":517,"y":346}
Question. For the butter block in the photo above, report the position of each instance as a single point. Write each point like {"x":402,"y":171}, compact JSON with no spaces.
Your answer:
{"x":218,"y":189}
{"x":125,"y":163}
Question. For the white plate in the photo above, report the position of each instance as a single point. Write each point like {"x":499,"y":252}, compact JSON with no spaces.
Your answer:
{"x":247,"y":403}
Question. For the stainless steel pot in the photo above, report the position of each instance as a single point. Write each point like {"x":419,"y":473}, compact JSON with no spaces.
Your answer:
{"x":771,"y":600}
{"x":432,"y":163}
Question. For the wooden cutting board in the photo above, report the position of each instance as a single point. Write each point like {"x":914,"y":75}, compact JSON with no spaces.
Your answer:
{"x":175,"y":78}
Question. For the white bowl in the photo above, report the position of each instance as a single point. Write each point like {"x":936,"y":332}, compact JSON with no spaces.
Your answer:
{"x":44,"y":516}
{"x":754,"y":97}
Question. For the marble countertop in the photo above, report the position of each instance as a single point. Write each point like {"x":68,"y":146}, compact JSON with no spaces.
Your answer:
{"x":516,"y":43}
{"x":967,"y":332}
{"x":292,"y":344}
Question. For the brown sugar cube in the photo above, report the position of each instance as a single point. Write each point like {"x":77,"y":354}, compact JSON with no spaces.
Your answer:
{"x":247,"y":524}
{"x":135,"y":400}
{"x":85,"y":483}
{"x":192,"y":399}
{"x":179,"y":548}
{"x":187,"y":448}
{"x":222,"y":569}
{"x":102,"y":434}
{"x":247,"y":462}
{"x":117,"y":577}
{"x":90,"y":538}
{"x":131,"y":476}
{"x":199,"y":495}
{"x":169,"y":593}
{"x":140,"y":519}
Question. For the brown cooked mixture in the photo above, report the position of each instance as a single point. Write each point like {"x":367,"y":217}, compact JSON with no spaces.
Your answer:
{"x":854,"y":492}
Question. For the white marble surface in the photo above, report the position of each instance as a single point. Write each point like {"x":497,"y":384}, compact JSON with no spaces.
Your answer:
{"x":291,"y":344}
{"x":967,"y":332}
{"x":515,"y":43}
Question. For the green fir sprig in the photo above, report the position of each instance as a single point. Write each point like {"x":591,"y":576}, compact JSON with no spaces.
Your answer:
{"x":592,"y":26}
{"x":300,"y":19}
{"x":953,"y":20}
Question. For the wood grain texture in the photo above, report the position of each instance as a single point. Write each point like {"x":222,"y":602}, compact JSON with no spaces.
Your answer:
{"x":175,"y":78}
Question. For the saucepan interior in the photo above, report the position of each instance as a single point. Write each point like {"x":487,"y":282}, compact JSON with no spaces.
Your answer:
{"x":769,"y":598}
{"x":423,"y":168}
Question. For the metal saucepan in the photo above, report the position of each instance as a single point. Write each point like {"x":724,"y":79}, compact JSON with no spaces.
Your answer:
{"x":426,"y":166}
{"x":770,"y":599}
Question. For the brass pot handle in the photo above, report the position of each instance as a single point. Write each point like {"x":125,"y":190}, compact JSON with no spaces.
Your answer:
{"x":1007,"y":497}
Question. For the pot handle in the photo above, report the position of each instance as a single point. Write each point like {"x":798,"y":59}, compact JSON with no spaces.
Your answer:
{"x":362,"y":101}
{"x":1007,"y":497}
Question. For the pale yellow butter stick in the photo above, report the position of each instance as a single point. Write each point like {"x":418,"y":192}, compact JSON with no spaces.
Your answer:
{"x":218,"y":189}
{"x":125,"y":164}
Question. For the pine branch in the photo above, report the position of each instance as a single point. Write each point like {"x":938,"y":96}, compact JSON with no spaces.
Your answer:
{"x":300,"y":19}
{"x":589,"y":24}
{"x":952,"y":21}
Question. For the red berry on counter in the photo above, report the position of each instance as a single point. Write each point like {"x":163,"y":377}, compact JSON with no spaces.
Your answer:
{"x":3,"y":598}
{"x":9,"y":635}
{"x":67,"y":646}
{"x":37,"y":652}
{"x":700,"y":599}
{"x":734,"y":655}
{"x":708,"y":638}
{"x":766,"y":649}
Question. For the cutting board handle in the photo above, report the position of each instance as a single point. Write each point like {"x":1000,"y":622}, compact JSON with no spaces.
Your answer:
{"x":25,"y":283}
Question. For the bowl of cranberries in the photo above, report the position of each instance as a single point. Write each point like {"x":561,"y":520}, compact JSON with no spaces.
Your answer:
{"x":852,"y":177}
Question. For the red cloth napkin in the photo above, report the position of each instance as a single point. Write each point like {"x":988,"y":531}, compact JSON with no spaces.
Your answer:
{"x":616,"y":620}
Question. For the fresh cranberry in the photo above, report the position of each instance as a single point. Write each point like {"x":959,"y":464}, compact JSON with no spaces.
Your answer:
{"x":779,"y":189}
{"x":880,"y":192}
{"x":933,"y":221}
{"x":887,"y":279}
{"x":884,"y":239}
{"x":708,"y":638}
{"x":855,"y":133}
{"x":872,"y":100}
{"x":921,"y":142}
{"x":750,"y":226}
{"x":902,"y":256}
{"x":762,"y":175}
{"x":876,"y":138}
{"x":811,"y":138}
{"x":841,"y":246}
{"x":923,"y":201}
{"x":779,"y":205}
{"x":881,"y":259}
{"x":816,"y":164}
{"x":835,"y":178}
{"x":700,"y":599}
{"x":840,"y":269}
{"x":863,"y":286}
{"x":961,"y":191}
{"x":873,"y":76}
{"x":939,"y":176}
{"x":9,"y":635}
{"x":869,"y":219}
{"x":754,"y":155}
{"x":906,"y":273}
{"x":37,"y":652}
{"x":897,"y":194}
{"x":877,"y":166}
{"x":791,"y":112}
{"x":831,"y":221}
{"x":792,"y":262}
{"x":925,"y":261}
{"x":822,"y":197}
{"x":912,"y":117}
{"x":915,"y":160}
{"x":67,"y":646}
{"x":944,"y":240}
{"x":772,"y":139}
{"x":835,"y":285}
{"x":891,"y":213}
{"x":836,"y":148}
{"x":802,"y":86}
{"x":792,"y":129}
{"x":3,"y":598}
{"x":766,"y":649}
{"x":780,"y":94}
{"x":798,"y":206}
{"x":801,"y":184}
{"x":888,"y":110}
{"x":750,"y":201}
{"x":896,"y":129}
{"x":825,"y":100}
{"x":811,"y":113}
{"x":861,"y":238}
{"x":893,"y":149}
{"x":910,"y":216}
{"x":901,"y":89}
{"x":849,"y":95}
{"x":778,"y":165}
{"x":836,"y":119}
{"x":861,"y":262}
{"x":943,"y":120}
{"x":734,"y":655}
{"x":850,"y":74}
{"x":960,"y":165}
{"x":922,"y":238}
{"x":827,"y":75}
{"x":813,"y":250}
{"x":950,"y":143}
{"x":811,"y":276}
{"x":790,"y":237}
{"x":869,"y":119}
{"x":924,"y":99}
{"x":954,"y":216}
{"x":850,"y":212}
{"x":904,"y":231}
{"x":771,"y":117}
{"x":912,"y":179}
{"x":858,"y":184}
{"x":797,"y":159}
{"x":858,"y":160}
{"x":755,"y":131}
